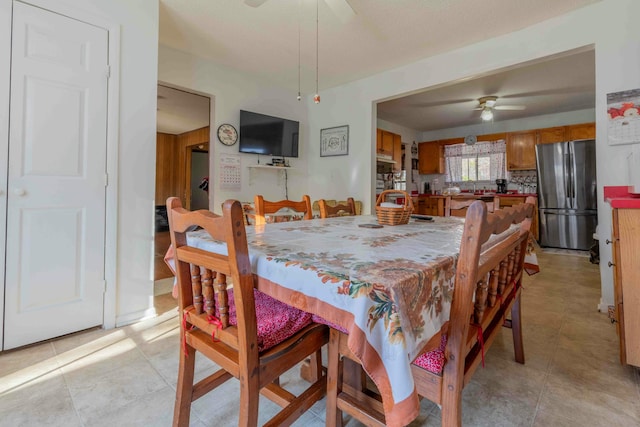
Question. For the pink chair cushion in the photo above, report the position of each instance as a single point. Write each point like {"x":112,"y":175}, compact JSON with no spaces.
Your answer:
{"x":433,"y":361}
{"x":277,"y":321}
{"x":319,"y":319}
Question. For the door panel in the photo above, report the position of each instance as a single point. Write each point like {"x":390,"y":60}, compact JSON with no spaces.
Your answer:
{"x":584,"y":174}
{"x":553,"y":165}
{"x":38,"y":265}
{"x":40,"y":157}
{"x":56,"y":180}
{"x":567,"y":229}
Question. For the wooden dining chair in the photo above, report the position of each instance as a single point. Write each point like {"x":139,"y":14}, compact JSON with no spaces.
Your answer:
{"x":328,"y":211}
{"x":250,"y":335}
{"x":493,"y":205}
{"x":263,"y":207}
{"x":487,"y":288}
{"x":455,"y":207}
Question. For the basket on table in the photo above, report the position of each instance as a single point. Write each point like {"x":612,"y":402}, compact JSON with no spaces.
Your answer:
{"x":394,"y":215}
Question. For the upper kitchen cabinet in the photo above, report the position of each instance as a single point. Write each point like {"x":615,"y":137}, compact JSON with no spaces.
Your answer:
{"x":581,"y":131}
{"x":389,"y":144}
{"x":430,"y":157}
{"x":521,"y":152}
{"x":551,"y":135}
{"x":385,"y":142}
{"x":567,"y":133}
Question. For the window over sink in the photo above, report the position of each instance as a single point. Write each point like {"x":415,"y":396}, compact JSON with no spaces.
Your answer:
{"x":481,"y":162}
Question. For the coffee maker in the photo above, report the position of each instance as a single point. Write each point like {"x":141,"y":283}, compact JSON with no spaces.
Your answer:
{"x":501,"y":186}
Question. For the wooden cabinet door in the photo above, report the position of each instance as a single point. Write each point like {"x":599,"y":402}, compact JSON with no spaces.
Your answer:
{"x":628,"y":271}
{"x":581,"y":131}
{"x":378,"y":140}
{"x":430,"y":158}
{"x":387,"y":143}
{"x":521,"y":154}
{"x":551,"y":135}
{"x":397,"y":151}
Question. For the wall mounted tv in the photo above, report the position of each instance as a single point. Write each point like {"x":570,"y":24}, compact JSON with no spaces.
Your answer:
{"x":268,"y":135}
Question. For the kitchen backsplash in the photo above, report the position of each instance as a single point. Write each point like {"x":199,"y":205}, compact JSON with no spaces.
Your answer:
{"x":523,"y":181}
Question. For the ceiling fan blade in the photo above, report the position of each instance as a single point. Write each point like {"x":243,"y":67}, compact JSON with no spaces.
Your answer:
{"x":509,"y":107}
{"x":341,"y":8}
{"x":254,"y":3}
{"x":439,"y":103}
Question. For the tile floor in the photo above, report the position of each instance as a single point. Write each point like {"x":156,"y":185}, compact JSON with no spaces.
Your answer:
{"x":126,"y":376}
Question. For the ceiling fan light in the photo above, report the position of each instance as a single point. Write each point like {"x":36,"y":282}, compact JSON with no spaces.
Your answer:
{"x":486,"y":114}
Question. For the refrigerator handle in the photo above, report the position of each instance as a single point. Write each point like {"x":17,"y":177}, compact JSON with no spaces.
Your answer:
{"x":569,"y":180}
{"x":573,"y":177}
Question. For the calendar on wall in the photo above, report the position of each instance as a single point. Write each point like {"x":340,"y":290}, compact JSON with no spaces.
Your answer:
{"x":230,"y":172}
{"x":623,"y":110}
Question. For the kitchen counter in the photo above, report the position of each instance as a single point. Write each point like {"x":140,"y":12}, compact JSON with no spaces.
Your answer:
{"x":480,"y":196}
{"x":619,"y":197}
{"x":431,"y":204}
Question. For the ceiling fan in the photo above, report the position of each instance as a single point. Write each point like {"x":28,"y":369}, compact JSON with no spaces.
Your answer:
{"x":488,"y":103}
{"x":341,"y":8}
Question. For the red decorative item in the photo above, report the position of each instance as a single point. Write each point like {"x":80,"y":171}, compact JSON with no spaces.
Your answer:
{"x":316,"y":99}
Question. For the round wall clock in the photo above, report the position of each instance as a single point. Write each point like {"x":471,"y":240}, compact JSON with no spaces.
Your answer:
{"x":470,"y":139}
{"x":227,"y":134}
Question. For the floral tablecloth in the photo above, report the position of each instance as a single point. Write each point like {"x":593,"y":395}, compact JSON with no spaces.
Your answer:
{"x":389,"y":287}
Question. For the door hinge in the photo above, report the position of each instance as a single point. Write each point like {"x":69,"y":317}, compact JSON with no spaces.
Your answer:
{"x":108,"y":73}
{"x":106,"y":179}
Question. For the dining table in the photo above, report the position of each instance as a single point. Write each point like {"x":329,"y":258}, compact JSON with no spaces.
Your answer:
{"x":388,"y":287}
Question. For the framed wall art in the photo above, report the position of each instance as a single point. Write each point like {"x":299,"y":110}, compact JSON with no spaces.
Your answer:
{"x":623,"y":111}
{"x":334,"y":141}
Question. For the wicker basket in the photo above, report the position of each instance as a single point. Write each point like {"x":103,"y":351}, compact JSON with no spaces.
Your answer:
{"x":394,"y":216}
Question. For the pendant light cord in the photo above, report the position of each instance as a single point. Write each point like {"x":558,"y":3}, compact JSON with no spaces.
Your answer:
{"x":317,"y":32}
{"x":299,"y":51}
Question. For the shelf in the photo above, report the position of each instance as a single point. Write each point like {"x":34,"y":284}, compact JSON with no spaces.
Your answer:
{"x":282,"y":169}
{"x":383,"y":160}
{"x":270,"y":167}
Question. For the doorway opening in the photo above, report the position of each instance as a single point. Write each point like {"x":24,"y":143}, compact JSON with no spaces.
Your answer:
{"x":182,"y":168}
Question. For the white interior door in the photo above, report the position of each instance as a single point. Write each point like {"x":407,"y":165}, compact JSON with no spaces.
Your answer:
{"x":56,"y":181}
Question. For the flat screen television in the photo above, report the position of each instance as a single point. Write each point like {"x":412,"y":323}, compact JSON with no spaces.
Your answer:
{"x":268,"y":135}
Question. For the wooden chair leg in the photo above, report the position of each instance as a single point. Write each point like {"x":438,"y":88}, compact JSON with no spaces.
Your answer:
{"x":184,"y":388}
{"x":311,"y":369}
{"x":334,"y":381}
{"x":316,"y":365}
{"x":516,"y":330}
{"x":451,"y":410}
{"x":249,"y":401}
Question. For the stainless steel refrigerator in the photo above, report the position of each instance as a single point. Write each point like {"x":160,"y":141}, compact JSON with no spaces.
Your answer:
{"x":567,"y":193}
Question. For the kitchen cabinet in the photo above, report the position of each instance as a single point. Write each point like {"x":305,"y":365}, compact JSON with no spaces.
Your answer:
{"x":581,"y":131}
{"x":506,"y":201}
{"x":430,"y":157}
{"x":551,"y":135}
{"x":384,"y":143}
{"x":429,"y":205}
{"x":390,"y":144}
{"x":521,"y":154}
{"x":626,"y":289}
{"x":566,"y":133}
